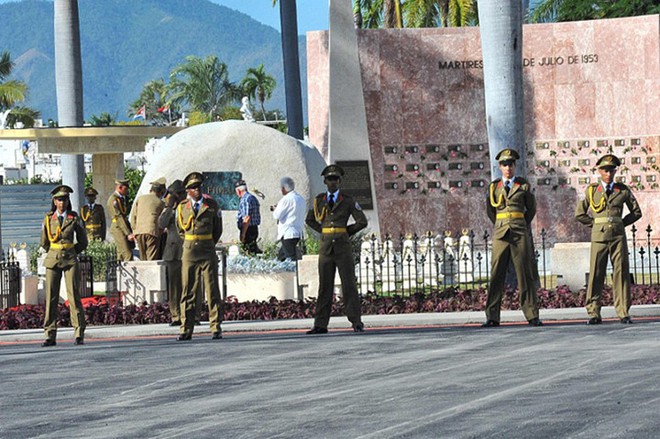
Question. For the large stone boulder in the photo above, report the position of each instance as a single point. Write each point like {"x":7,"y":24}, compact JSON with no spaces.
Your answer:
{"x":263,"y":155}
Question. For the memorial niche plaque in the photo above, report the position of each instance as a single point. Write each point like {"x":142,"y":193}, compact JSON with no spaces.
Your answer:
{"x":636,"y":160}
{"x":620,"y":142}
{"x":357,"y":182}
{"x":431,"y":149}
{"x":391,"y":150}
{"x":220,"y":185}
{"x":563,"y":180}
{"x":478,"y":147}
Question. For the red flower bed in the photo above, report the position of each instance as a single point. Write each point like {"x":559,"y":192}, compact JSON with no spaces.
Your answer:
{"x":99,"y":312}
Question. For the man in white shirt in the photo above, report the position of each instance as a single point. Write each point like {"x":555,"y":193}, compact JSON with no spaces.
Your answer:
{"x":290,"y":214}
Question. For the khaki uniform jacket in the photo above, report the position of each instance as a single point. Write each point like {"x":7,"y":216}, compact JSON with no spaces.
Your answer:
{"x":512,"y":212}
{"x":94,"y":221}
{"x":199,"y":232}
{"x":63,"y":243}
{"x":321,"y":217}
{"x":117,"y":208}
{"x":606,"y":220}
{"x":173,"y":242}
{"x":145,"y":213}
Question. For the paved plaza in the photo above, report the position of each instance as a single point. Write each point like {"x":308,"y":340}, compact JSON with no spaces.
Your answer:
{"x":562,"y":380}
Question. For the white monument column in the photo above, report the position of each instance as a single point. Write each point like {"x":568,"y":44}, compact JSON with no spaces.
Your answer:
{"x":348,"y":138}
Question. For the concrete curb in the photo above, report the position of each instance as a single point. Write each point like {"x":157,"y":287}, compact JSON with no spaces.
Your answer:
{"x":370,"y":321}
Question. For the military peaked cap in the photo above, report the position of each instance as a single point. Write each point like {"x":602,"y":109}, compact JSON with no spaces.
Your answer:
{"x":176,"y":187}
{"x":192,"y":179}
{"x":507,"y":155}
{"x":61,"y":191}
{"x":332,"y":170}
{"x":160,"y":182}
{"x":608,"y":160}
{"x":122,"y":181}
{"x":91,"y":191}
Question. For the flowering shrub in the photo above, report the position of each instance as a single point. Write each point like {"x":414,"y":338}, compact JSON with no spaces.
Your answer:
{"x":99,"y":312}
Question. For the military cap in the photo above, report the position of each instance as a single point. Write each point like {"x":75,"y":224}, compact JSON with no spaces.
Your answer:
{"x":61,"y":191}
{"x":332,"y":171}
{"x":122,"y":181}
{"x":240,"y":183}
{"x":608,"y":160}
{"x":91,"y":191}
{"x":507,"y":155}
{"x":176,"y":187}
{"x":160,"y":182}
{"x":193,"y":179}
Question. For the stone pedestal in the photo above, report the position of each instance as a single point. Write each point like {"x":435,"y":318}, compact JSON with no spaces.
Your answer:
{"x":142,"y":281}
{"x":29,"y":290}
{"x":571,"y":262}
{"x":308,"y":272}
{"x":261,"y":287}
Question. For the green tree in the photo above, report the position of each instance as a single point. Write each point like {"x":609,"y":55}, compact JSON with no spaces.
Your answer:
{"x":134,"y":177}
{"x":12,"y":92}
{"x":204,"y":85}
{"x":102,"y":120}
{"x":575,"y":10}
{"x":155,"y":96}
{"x":259,"y":84}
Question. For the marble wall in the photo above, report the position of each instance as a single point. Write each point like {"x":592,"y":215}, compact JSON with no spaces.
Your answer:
{"x":590,"y":88}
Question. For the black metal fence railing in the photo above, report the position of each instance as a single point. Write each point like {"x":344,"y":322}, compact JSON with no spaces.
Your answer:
{"x":10,"y":284}
{"x":86,"y":271}
{"x":413,"y":264}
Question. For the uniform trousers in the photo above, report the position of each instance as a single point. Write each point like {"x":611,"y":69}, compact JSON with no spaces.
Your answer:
{"x":328,"y":264}
{"x":174,"y":288}
{"x":194,"y":276}
{"x":124,"y":246}
{"x":149,"y":246}
{"x":53,"y":282}
{"x":617,"y":251}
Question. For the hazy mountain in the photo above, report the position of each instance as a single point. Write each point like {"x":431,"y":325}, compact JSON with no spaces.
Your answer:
{"x":126,"y":43}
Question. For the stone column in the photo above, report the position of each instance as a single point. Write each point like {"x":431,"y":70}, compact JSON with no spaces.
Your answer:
{"x":105,"y":169}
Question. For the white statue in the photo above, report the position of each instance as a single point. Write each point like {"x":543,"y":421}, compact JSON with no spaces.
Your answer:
{"x":3,"y":119}
{"x":369,"y":270}
{"x":389,"y":269}
{"x":429,"y":267}
{"x":408,"y":264}
{"x":449,"y":256}
{"x":464,"y":258}
{"x":246,"y":112}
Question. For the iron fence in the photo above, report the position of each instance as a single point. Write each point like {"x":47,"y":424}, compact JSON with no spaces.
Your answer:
{"x":413,"y":264}
{"x":10,"y":284}
{"x":86,"y":272}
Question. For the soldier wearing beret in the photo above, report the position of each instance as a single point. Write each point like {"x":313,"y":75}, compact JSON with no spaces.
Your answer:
{"x":199,"y":220}
{"x":63,"y":237}
{"x":329,"y":216}
{"x":144,"y":220}
{"x":511,"y":206}
{"x":173,"y":248}
{"x":121,"y":229}
{"x":604,"y":201}
{"x":93,"y":216}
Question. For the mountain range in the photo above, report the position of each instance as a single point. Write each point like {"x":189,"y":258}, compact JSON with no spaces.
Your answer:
{"x":126,"y":43}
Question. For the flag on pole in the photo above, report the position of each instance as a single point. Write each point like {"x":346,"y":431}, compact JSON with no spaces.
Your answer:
{"x":142,"y":112}
{"x":164,"y":109}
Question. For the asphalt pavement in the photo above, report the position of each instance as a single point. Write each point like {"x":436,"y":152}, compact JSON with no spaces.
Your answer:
{"x":423,"y":376}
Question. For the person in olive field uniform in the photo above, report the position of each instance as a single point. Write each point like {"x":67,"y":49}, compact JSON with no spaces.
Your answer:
{"x":173,"y":248}
{"x":605,"y":200}
{"x":329,"y":216}
{"x":144,"y":220}
{"x":63,"y":237}
{"x":93,"y":216}
{"x":121,"y":229}
{"x":511,"y":206}
{"x":199,"y":221}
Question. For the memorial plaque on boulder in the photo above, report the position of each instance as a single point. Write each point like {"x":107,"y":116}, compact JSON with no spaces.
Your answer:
{"x":357,"y":182}
{"x":220,"y":185}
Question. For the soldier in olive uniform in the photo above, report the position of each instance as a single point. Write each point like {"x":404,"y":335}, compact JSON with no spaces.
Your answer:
{"x":144,"y":220}
{"x":329,"y":216}
{"x":121,"y":229}
{"x":173,"y":248}
{"x":199,"y":220}
{"x":63,"y":237}
{"x":605,"y":200}
{"x":93,"y":216}
{"x":511,"y":206}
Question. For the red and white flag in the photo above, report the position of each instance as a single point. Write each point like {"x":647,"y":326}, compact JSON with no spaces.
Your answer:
{"x":142,"y":112}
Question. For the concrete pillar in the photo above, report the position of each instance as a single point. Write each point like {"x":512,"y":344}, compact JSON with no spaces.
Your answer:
{"x":106,"y":168}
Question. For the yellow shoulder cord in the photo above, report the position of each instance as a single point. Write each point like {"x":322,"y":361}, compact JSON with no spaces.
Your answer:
{"x":187,"y":225}
{"x":82,"y":213}
{"x":320,"y":216}
{"x":597,"y":208}
{"x":58,"y":232}
{"x":492,"y":197}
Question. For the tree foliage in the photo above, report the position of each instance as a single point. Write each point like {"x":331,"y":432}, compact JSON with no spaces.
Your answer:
{"x":575,"y":10}
{"x":12,"y":93}
{"x":258,"y":85}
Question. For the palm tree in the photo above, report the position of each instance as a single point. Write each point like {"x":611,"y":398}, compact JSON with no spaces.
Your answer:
{"x":68,"y":82}
{"x":203,"y":83}
{"x":12,"y":92}
{"x":102,"y":120}
{"x":155,"y":96}
{"x":259,"y":84}
{"x":392,"y":16}
{"x":500,"y":26}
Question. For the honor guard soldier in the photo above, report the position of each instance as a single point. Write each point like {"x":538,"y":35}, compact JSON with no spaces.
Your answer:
{"x":63,"y":237}
{"x":93,"y":216}
{"x":121,"y":229}
{"x":144,"y":220}
{"x":329,"y":216}
{"x":605,"y":201}
{"x":199,"y":221}
{"x":511,"y":206}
